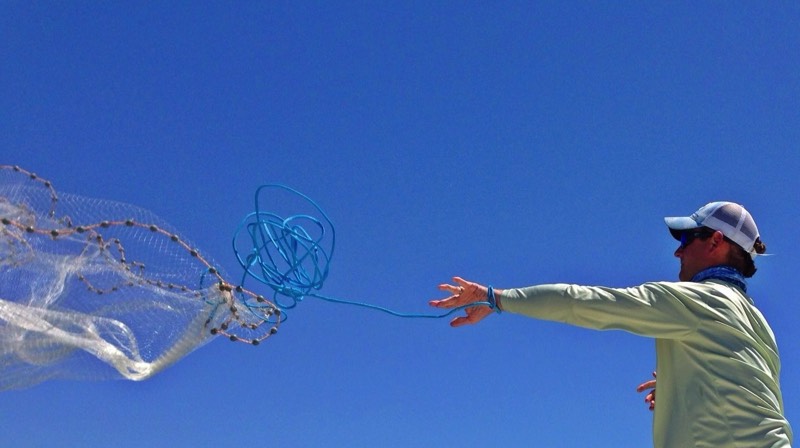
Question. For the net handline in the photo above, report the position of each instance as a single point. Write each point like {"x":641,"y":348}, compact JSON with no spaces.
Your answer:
{"x":277,"y":242}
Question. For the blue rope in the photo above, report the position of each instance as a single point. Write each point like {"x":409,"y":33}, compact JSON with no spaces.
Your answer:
{"x":291,"y":256}
{"x":492,"y":300}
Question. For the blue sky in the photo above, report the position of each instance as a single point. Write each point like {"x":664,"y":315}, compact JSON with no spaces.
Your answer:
{"x":506,"y":142}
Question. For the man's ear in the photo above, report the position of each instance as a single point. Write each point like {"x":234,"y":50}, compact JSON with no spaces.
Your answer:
{"x":717,"y":239}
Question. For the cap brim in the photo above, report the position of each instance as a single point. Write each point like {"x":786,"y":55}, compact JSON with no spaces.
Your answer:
{"x":678,"y":224}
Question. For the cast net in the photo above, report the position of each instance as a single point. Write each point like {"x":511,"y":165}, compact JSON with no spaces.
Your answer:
{"x":95,"y":289}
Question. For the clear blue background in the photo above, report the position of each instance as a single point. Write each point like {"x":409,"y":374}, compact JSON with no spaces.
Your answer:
{"x":511,"y":143}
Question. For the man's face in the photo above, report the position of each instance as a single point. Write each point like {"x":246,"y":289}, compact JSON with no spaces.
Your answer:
{"x":693,"y":253}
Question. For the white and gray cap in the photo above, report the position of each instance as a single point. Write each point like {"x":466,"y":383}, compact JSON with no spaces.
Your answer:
{"x":728,"y":217}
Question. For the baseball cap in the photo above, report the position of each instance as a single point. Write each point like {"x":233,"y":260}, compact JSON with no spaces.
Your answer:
{"x":728,"y":217}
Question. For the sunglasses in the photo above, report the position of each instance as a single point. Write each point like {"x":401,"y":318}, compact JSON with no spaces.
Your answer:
{"x":689,"y":236}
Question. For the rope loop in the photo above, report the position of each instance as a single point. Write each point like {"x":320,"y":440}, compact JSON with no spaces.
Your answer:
{"x":291,"y":255}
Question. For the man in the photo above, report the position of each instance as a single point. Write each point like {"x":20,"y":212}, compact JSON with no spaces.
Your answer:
{"x":717,"y":360}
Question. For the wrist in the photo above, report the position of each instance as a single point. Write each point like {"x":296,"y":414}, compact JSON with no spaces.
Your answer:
{"x":493,"y":297}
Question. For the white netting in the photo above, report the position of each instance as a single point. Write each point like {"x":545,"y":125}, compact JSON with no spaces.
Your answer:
{"x":93,"y":289}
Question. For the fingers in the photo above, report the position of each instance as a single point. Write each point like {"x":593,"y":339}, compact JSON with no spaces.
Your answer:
{"x":460,"y":294}
{"x":646,"y":385}
{"x":459,"y":321}
{"x":446,"y":287}
{"x":451,"y":288}
{"x":459,"y":287}
{"x":474,"y":315}
{"x":463,"y":293}
{"x":449,"y":302}
{"x":443,"y":303}
{"x":461,"y":282}
{"x":650,"y":398}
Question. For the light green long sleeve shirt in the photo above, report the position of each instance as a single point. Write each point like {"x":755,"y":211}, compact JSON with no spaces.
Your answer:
{"x":717,"y":360}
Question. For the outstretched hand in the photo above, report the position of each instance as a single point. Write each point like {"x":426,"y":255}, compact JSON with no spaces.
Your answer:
{"x":461,"y":294}
{"x":650,"y":398}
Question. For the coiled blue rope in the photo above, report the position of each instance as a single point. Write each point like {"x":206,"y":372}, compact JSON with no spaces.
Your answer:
{"x":291,"y":256}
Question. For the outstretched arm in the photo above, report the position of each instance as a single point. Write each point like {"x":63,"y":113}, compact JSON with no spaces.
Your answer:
{"x":463,"y":293}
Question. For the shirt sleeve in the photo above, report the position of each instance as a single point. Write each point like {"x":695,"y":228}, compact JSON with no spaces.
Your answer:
{"x":661,"y":309}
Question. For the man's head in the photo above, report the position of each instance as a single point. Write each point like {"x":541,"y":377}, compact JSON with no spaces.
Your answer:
{"x":720,"y":233}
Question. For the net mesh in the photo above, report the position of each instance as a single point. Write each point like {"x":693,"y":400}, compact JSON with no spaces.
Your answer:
{"x":95,"y":289}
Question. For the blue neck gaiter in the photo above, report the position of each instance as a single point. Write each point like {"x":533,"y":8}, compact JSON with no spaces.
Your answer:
{"x":724,"y":273}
